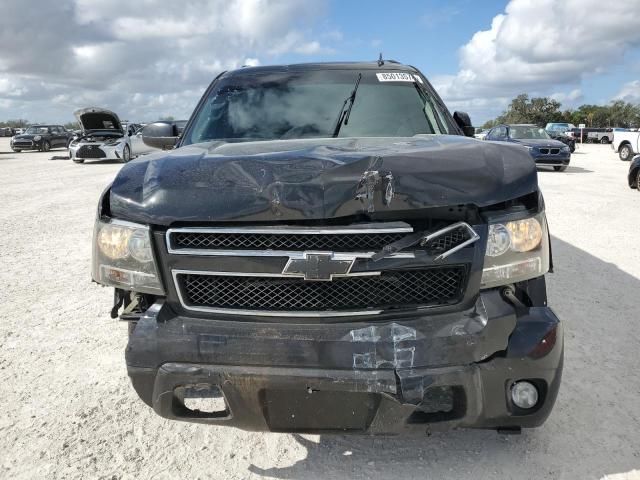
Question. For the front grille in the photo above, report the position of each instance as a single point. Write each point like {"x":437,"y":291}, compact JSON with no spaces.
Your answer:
{"x":552,"y":151}
{"x":87,"y":151}
{"x":22,"y":143}
{"x":432,"y":286}
{"x":447,"y":241}
{"x":335,"y":242}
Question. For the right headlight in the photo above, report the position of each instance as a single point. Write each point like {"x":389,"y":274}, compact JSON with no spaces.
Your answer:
{"x":37,"y":138}
{"x":123,"y":257}
{"x":516,"y":250}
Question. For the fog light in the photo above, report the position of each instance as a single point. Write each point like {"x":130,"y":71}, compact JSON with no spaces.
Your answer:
{"x":524,"y":394}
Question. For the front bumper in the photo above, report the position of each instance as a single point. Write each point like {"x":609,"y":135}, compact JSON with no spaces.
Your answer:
{"x":552,"y":160}
{"x":434,"y":371}
{"x":26,"y":145}
{"x":96,"y":151}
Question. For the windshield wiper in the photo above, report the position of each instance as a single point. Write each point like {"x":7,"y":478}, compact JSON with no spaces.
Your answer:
{"x":343,"y":115}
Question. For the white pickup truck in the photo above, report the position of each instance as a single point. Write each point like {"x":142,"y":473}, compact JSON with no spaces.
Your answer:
{"x":626,"y":144}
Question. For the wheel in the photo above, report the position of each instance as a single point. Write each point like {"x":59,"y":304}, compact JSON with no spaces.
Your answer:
{"x":604,"y":140}
{"x":625,"y":152}
{"x":126,"y":154}
{"x":572,"y":147}
{"x":638,"y":180}
{"x":78,"y":160}
{"x":46,"y":146}
{"x":560,"y":168}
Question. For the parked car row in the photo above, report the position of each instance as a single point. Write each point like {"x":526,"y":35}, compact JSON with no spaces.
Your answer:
{"x":42,"y":138}
{"x":102,"y":136}
{"x":543,"y":148}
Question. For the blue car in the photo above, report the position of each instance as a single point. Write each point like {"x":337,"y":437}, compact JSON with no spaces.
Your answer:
{"x":543,"y":149}
{"x":634,"y":173}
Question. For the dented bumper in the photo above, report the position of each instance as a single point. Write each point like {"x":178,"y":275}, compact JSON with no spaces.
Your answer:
{"x":433,"y":371}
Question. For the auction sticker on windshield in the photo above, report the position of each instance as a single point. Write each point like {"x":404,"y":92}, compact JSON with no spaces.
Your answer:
{"x":395,"y":77}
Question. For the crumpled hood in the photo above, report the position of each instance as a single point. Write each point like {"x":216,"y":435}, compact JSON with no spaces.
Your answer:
{"x":315,"y":179}
{"x":95,"y":118}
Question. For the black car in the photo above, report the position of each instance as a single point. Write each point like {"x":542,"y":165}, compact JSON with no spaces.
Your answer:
{"x":634,"y":173}
{"x":564,"y":138}
{"x":42,"y":138}
{"x":543,"y":149}
{"x":326,"y":251}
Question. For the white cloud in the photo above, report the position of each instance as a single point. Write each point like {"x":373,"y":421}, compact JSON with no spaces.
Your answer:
{"x":142,"y":59}
{"x":537,"y":45}
{"x":630,"y":92}
{"x":568,"y":98}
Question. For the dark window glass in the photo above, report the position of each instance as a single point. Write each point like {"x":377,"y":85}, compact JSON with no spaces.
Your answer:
{"x":303,"y":105}
{"x":523,"y":132}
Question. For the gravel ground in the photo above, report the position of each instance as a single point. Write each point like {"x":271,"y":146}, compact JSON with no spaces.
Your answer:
{"x":69,"y":410}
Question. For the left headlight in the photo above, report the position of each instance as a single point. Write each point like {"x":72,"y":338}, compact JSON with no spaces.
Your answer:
{"x":37,"y":138}
{"x":516,"y":250}
{"x":566,"y":148}
{"x":123,"y":257}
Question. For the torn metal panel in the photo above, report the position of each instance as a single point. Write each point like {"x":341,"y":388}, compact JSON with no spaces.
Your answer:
{"x":318,"y":179}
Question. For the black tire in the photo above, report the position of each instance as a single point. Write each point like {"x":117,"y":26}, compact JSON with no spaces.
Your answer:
{"x":625,"y":153}
{"x":638,"y":180}
{"x":46,"y":146}
{"x":78,"y":160}
{"x":560,"y":168}
{"x":604,"y":140}
{"x":126,"y":154}
{"x":572,"y":147}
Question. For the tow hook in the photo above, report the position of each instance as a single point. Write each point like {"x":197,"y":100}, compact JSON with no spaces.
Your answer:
{"x":509,"y":295}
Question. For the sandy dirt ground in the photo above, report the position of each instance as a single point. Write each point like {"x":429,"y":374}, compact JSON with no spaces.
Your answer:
{"x":68,"y":410}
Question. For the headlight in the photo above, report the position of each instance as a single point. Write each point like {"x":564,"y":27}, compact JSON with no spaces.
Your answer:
{"x":123,"y":257}
{"x":37,"y":137}
{"x":113,"y":142}
{"x":516,"y":251}
{"x":566,"y":148}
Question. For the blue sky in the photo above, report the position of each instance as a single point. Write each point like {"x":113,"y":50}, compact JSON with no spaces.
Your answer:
{"x":424,"y":34}
{"x":154,"y":58}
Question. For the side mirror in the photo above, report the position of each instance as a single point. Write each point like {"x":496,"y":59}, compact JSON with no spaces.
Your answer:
{"x":162,"y":135}
{"x":464,"y":122}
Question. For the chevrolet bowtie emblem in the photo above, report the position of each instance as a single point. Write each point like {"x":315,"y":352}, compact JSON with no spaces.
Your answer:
{"x":318,"y":266}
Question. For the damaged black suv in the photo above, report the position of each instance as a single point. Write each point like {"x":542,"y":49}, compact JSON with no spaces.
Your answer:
{"x":326,"y":250}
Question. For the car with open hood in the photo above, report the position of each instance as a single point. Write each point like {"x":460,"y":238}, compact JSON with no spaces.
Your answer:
{"x":42,"y":138}
{"x":104,"y":137}
{"x":324,"y":248}
{"x":544,"y":150}
{"x":568,"y":140}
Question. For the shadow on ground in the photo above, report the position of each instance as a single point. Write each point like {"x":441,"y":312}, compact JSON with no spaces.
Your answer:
{"x":100,"y":162}
{"x":570,"y":169}
{"x":591,"y":432}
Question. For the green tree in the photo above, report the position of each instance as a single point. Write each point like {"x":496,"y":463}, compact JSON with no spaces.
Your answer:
{"x":542,"y":110}
{"x":538,"y":110}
